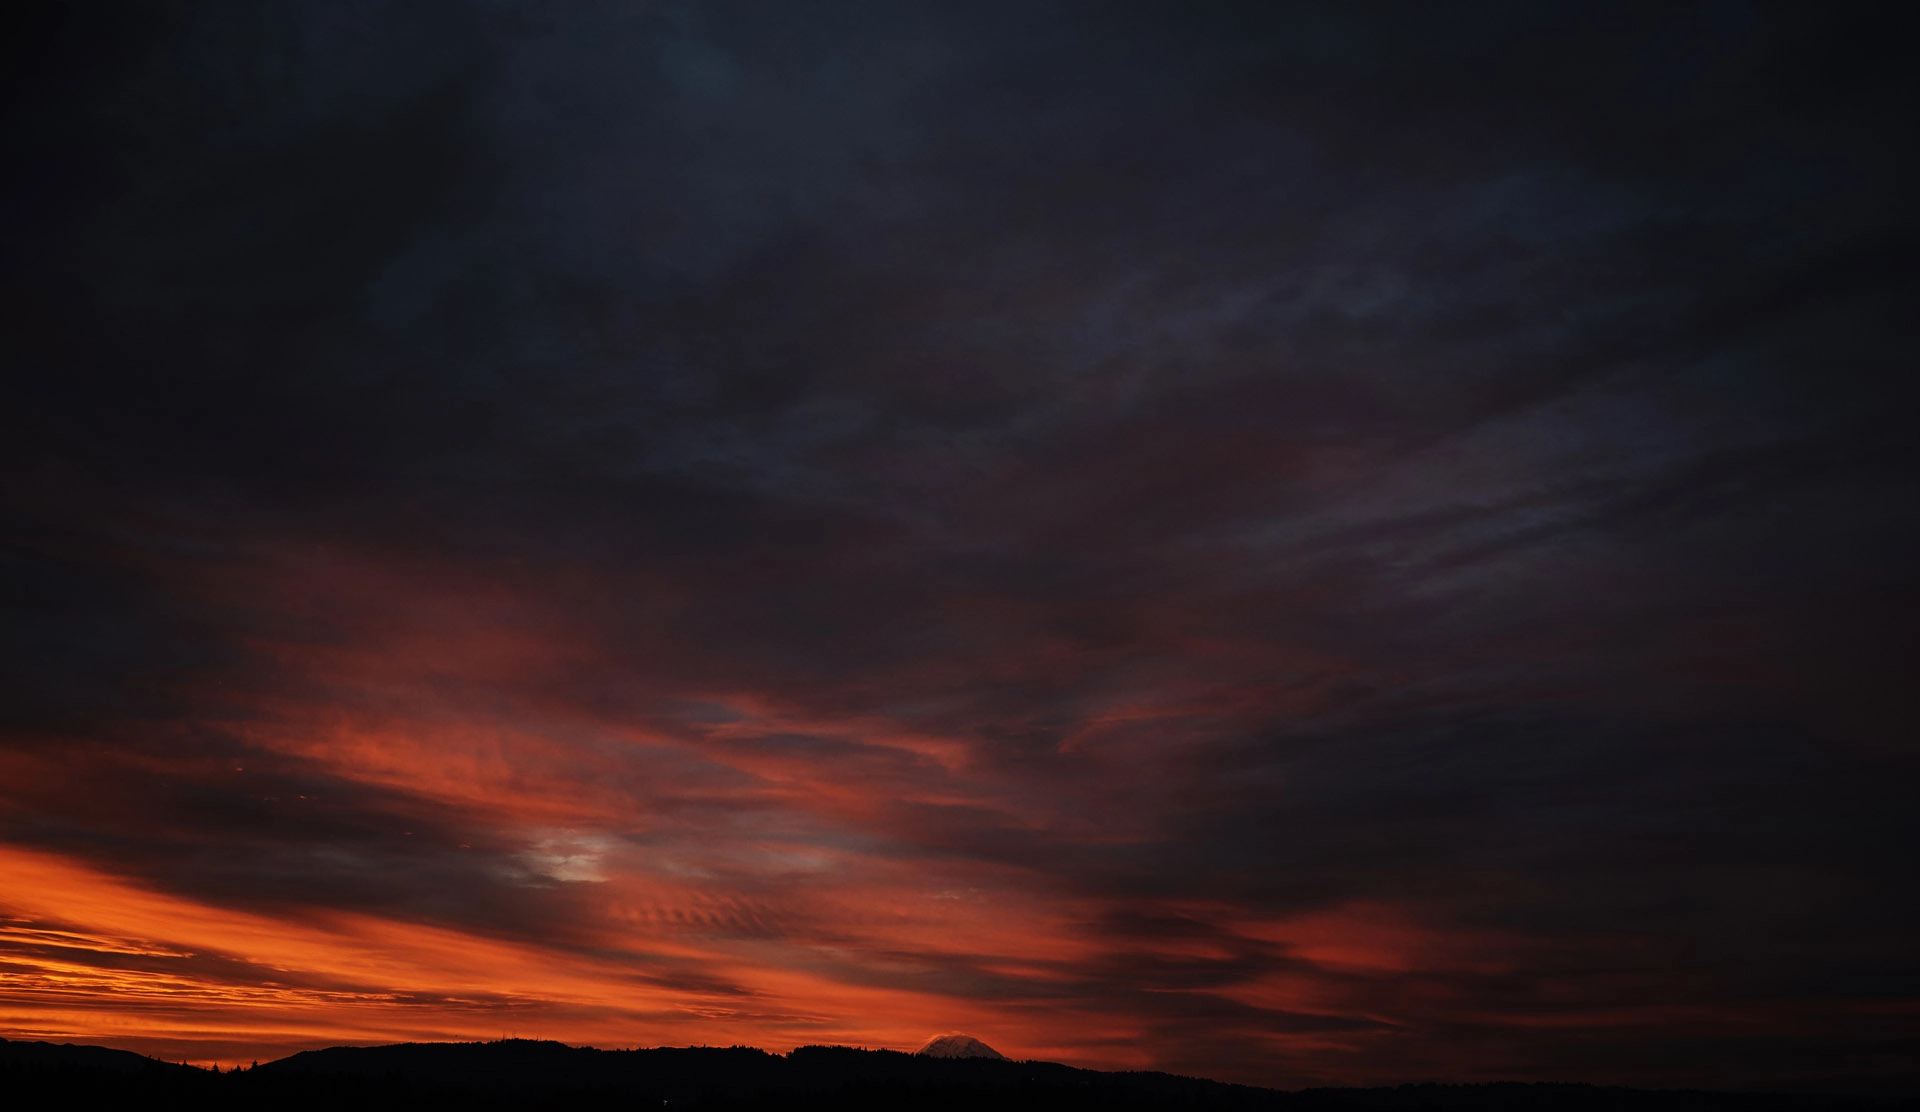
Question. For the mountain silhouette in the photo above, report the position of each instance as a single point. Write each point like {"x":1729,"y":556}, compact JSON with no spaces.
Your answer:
{"x":958,"y":1046}
{"x":526,"y":1074}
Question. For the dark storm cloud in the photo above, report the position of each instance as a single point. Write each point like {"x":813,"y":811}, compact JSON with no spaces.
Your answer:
{"x":1222,"y":466}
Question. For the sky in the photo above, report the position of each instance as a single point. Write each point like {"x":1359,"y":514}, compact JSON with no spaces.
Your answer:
{"x":1298,"y":544}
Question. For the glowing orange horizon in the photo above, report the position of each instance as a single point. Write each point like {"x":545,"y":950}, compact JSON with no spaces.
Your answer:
{"x":779,"y":869}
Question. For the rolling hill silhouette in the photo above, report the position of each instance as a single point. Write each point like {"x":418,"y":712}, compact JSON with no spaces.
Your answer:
{"x":527,"y":1074}
{"x":46,"y":1055}
{"x":730,"y":1075}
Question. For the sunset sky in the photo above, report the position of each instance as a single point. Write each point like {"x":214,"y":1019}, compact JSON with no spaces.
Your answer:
{"x":1297,"y":544}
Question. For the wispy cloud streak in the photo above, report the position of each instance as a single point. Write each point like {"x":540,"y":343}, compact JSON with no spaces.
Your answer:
{"x":1268,"y":544}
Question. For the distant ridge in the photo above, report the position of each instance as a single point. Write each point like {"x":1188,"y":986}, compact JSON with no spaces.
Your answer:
{"x":523,"y":1074}
{"x":75,"y":1055}
{"x":707,"y":1074}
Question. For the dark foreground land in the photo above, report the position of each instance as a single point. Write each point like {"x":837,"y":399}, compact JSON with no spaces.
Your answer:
{"x":521,"y":1074}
